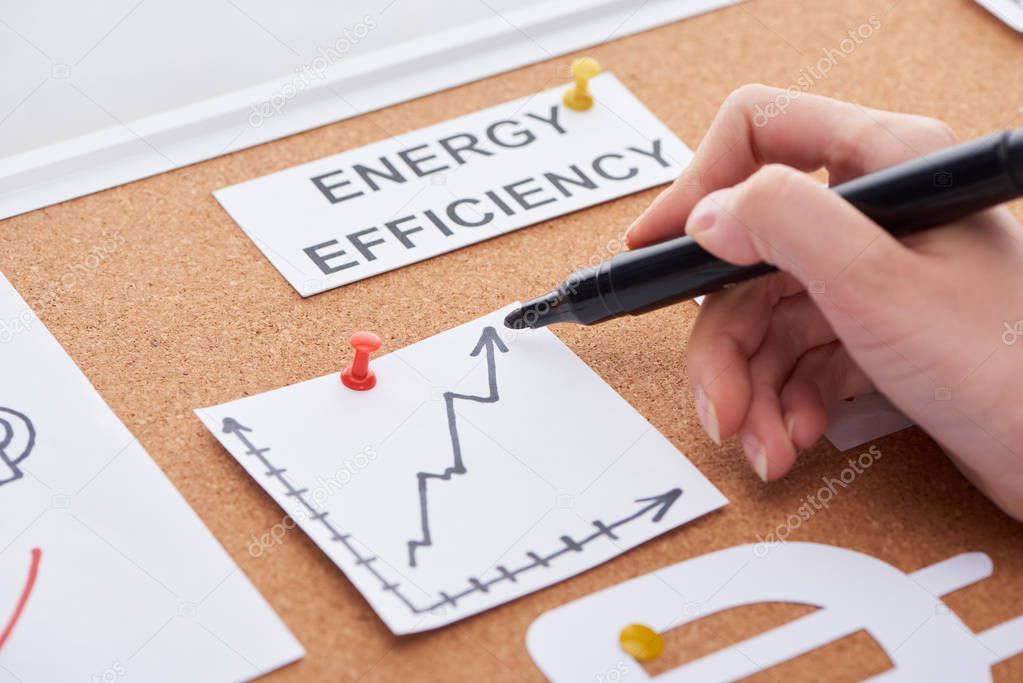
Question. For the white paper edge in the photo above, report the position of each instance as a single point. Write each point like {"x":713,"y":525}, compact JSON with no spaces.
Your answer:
{"x":219,"y":125}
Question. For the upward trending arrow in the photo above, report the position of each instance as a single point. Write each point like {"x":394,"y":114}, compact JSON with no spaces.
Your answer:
{"x":489,"y":339}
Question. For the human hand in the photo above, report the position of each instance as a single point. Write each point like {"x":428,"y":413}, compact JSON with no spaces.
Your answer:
{"x":853,"y":309}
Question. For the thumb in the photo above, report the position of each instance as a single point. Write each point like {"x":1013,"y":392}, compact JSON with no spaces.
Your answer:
{"x":786,"y":218}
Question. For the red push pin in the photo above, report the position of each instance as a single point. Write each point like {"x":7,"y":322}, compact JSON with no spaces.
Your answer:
{"x":358,"y":375}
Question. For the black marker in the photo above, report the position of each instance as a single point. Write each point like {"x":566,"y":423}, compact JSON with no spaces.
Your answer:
{"x":906,"y":198}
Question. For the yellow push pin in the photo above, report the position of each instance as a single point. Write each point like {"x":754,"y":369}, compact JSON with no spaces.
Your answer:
{"x":578,"y":97}
{"x":642,"y":642}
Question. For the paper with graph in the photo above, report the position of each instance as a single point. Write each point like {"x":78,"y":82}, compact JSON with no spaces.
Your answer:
{"x":105,"y":572}
{"x":484,"y":465}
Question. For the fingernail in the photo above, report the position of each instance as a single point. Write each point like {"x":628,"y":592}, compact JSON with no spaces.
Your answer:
{"x":705,"y":214}
{"x":790,"y":427}
{"x":628,"y":233}
{"x":641,"y":216}
{"x":760,"y":465}
{"x":756,"y":455}
{"x":707,"y":415}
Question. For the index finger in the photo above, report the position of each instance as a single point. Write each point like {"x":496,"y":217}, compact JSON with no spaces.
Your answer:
{"x":760,"y":125}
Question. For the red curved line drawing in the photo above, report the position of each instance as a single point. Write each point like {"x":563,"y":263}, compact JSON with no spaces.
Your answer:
{"x":33,"y":571}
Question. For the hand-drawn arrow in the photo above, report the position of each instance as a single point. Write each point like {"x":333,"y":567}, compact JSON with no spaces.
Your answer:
{"x":660,"y":503}
{"x":489,"y":340}
{"x":240,"y":431}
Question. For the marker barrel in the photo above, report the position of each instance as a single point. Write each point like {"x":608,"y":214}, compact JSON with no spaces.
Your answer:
{"x":921,"y":193}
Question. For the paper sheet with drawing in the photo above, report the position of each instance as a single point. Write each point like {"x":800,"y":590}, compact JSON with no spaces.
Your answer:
{"x":484,"y":465}
{"x":104,"y":569}
{"x":415,"y":195}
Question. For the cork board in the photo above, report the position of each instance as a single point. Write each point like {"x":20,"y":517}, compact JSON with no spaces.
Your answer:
{"x":167,"y":306}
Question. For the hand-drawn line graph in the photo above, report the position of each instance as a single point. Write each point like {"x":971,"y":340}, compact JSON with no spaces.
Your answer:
{"x":17,"y":438}
{"x":657,"y":504}
{"x":19,"y":606}
{"x":489,"y":340}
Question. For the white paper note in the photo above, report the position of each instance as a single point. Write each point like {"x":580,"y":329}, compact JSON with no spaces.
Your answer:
{"x":413,"y":196}
{"x":484,"y":465}
{"x":1009,"y":11}
{"x":865,"y":418}
{"x":128,"y":582}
